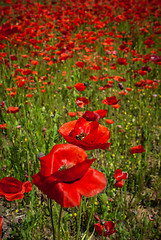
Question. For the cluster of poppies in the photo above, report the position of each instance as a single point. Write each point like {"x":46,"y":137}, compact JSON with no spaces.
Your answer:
{"x":66,"y":174}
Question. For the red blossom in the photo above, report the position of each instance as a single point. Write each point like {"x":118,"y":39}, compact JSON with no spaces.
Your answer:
{"x":137,"y":149}
{"x":122,"y":61}
{"x":80,"y":64}
{"x":65,"y":175}
{"x":119,"y":176}
{"x":82,"y":101}
{"x":101,"y":112}
{"x":12,"y":109}
{"x":80,"y":87}
{"x":91,"y":116}
{"x":13,"y":189}
{"x":3,"y":126}
{"x":87,"y":135}
{"x":111,"y":100}
{"x":72,"y":114}
{"x":105,"y":228}
{"x":109,"y":121}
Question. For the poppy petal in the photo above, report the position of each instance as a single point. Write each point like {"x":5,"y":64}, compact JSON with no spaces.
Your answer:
{"x":64,"y":194}
{"x":74,"y":173}
{"x":60,"y":155}
{"x":119,"y":184}
{"x":92,"y":183}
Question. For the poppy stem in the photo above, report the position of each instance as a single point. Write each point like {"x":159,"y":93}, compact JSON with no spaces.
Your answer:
{"x":79,"y":223}
{"x":59,"y":223}
{"x":56,"y":210}
{"x":91,"y":214}
{"x":51,"y":216}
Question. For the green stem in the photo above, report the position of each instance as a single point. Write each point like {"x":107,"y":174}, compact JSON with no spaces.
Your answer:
{"x":79,"y":223}
{"x":102,"y":235}
{"x":59,"y":223}
{"x":51,"y":216}
{"x":56,"y":210}
{"x":91,"y":214}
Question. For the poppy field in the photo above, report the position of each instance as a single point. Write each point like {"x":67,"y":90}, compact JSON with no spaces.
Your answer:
{"x":80,"y":119}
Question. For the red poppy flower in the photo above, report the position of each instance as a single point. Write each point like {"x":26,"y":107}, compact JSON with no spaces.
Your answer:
{"x":101,"y":112}
{"x":109,"y":121}
{"x":82,"y":101}
{"x":13,"y":189}
{"x":29,"y":95}
{"x":80,"y":87}
{"x":119,"y":176}
{"x":72,"y":114}
{"x":65,"y":175}
{"x":122,"y":61}
{"x":12,"y":109}
{"x":87,"y":135}
{"x":26,"y":71}
{"x":111,"y":100}
{"x":137,"y":149}
{"x":2,"y":104}
{"x":91,"y":116}
{"x":119,"y":184}
{"x":80,"y":64}
{"x":105,"y":228}
{"x":116,"y":106}
{"x":3,"y":126}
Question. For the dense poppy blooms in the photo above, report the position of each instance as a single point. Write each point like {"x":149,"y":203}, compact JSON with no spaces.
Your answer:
{"x":13,"y":189}
{"x":12,"y":109}
{"x":111,"y":100}
{"x":119,"y":176}
{"x":137,"y":149}
{"x":87,"y":135}
{"x":80,"y":87}
{"x":105,"y":228}
{"x":65,"y":175}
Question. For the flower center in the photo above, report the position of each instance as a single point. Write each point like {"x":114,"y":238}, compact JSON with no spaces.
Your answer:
{"x":81,"y":136}
{"x":66,"y":166}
